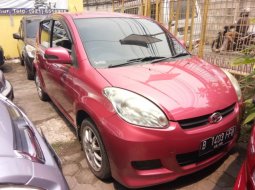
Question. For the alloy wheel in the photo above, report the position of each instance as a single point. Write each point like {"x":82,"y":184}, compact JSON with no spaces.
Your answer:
{"x":92,"y":149}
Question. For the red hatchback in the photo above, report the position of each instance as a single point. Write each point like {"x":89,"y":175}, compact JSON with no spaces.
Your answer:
{"x":246,"y":176}
{"x":145,"y":109}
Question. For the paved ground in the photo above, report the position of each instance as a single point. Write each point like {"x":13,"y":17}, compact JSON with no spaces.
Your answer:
{"x":220,"y":176}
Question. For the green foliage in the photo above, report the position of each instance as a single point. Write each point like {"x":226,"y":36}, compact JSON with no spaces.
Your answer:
{"x":250,"y":111}
{"x":252,"y":20}
{"x":247,"y":58}
{"x":247,"y":83}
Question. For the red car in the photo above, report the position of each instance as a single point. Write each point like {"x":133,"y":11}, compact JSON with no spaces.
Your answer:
{"x":145,"y":109}
{"x":246,"y":176}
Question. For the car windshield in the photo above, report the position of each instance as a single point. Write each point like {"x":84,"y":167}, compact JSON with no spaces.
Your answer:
{"x":111,"y":42}
{"x":31,"y":28}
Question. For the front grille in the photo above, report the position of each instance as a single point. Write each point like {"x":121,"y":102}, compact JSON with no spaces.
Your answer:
{"x":203,"y":120}
{"x":193,"y":157}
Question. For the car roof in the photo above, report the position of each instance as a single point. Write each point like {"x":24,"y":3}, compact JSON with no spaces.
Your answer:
{"x":98,"y":15}
{"x":6,"y":131}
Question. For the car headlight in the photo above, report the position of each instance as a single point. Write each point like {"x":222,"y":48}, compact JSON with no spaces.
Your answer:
{"x":235,"y":84}
{"x":136,"y":109}
{"x":30,"y":51}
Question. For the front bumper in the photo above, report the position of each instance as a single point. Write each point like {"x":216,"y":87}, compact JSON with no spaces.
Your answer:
{"x":8,"y":90}
{"x":141,"y":157}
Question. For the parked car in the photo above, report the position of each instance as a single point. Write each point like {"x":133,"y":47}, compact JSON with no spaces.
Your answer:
{"x":27,"y":161}
{"x":6,"y":87}
{"x":145,"y":109}
{"x":246,"y":175}
{"x":1,"y":56}
{"x":26,"y":42}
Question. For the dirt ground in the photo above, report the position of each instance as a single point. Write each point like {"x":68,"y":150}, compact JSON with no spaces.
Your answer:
{"x":220,"y":176}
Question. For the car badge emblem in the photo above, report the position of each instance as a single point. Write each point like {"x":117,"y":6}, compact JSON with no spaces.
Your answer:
{"x":215,"y":117}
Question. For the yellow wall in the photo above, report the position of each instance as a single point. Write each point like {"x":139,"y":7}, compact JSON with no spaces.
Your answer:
{"x":10,"y":25}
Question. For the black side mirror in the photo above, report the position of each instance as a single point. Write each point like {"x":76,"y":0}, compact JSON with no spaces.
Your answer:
{"x":16,"y":36}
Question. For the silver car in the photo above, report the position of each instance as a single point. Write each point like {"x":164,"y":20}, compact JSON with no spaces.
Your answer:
{"x":27,"y":161}
{"x":5,"y":87}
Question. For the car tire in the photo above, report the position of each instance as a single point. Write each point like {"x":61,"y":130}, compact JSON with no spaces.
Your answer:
{"x":1,"y":56}
{"x":42,"y":95}
{"x":30,"y":75}
{"x":94,"y":150}
{"x":22,"y":60}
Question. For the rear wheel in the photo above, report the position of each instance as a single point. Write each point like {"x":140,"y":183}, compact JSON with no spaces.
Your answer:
{"x":94,"y":150}
{"x":42,"y":95}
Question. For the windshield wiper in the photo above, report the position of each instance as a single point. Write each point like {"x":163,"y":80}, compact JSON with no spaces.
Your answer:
{"x":137,"y":60}
{"x":171,"y":57}
{"x":180,"y":54}
{"x":120,"y":65}
{"x":144,"y":59}
{"x":154,"y":59}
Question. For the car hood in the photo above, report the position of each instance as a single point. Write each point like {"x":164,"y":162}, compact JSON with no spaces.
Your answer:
{"x":15,"y":170}
{"x":183,"y":89}
{"x":12,"y":168}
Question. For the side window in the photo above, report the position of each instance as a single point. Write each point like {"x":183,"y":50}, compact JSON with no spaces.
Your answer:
{"x":60,"y":37}
{"x":45,"y":33}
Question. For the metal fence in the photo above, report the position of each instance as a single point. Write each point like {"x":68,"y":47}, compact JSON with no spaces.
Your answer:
{"x":230,"y":29}
{"x":217,"y":30}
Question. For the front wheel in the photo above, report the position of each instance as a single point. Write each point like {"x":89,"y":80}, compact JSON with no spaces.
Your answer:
{"x":42,"y":95}
{"x":30,"y":74}
{"x":94,"y":150}
{"x":22,"y":61}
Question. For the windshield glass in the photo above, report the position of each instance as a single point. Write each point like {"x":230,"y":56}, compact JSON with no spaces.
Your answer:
{"x":114,"y":41}
{"x":31,"y":28}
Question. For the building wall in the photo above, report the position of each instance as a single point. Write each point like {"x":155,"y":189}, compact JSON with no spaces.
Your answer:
{"x":98,"y":5}
{"x":10,"y":24}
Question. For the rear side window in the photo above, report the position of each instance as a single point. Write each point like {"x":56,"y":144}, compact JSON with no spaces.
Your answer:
{"x":45,"y":32}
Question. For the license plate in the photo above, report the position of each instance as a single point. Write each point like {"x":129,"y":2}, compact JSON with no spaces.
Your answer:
{"x":212,"y":143}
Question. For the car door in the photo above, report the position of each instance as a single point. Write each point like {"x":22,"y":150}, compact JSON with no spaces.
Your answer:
{"x":44,"y":43}
{"x":61,"y":74}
